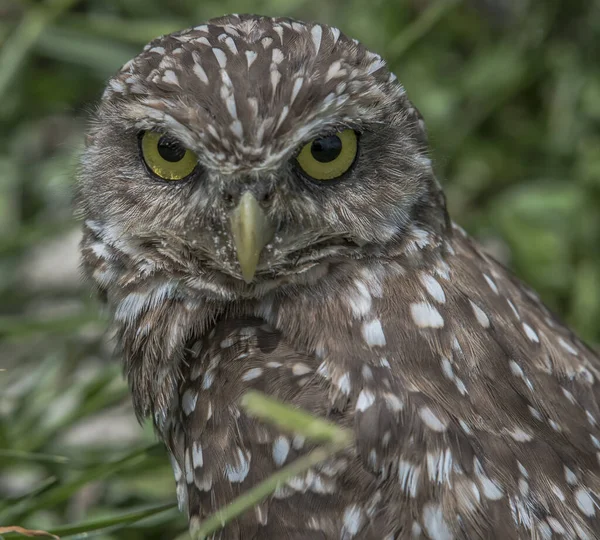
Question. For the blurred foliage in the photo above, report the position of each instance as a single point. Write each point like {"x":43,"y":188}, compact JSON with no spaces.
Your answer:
{"x":510,"y":90}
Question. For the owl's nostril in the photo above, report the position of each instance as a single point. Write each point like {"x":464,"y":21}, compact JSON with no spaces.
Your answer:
{"x":265,"y":196}
{"x":228,"y":198}
{"x":233,"y":193}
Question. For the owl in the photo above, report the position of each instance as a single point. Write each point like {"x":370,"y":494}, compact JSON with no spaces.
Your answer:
{"x":260,"y":212}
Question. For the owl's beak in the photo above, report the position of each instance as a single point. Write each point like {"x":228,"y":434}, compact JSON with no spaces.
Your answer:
{"x":251,"y":232}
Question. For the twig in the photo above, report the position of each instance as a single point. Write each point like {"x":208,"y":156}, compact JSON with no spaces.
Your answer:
{"x":26,"y":532}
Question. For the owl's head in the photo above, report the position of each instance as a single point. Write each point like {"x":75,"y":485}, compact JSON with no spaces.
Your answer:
{"x":252,"y":151}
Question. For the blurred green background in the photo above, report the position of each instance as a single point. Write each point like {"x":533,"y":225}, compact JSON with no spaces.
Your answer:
{"x":510,"y":90}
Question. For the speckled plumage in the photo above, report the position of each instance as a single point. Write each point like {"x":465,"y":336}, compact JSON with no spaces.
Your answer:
{"x":475,"y":410}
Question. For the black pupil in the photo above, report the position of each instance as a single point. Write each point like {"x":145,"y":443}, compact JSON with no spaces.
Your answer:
{"x":326,"y":149}
{"x":170,"y":150}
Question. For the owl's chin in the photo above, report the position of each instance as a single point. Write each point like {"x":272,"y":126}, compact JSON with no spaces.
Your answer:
{"x":301,"y":268}
{"x":220,"y":285}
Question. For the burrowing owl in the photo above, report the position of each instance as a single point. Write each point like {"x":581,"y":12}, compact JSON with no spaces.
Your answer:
{"x":261,"y":212}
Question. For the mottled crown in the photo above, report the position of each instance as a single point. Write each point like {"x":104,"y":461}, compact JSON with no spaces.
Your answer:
{"x":247,"y":88}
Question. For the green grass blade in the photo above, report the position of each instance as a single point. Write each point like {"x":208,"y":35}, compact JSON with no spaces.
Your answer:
{"x":18,"y":46}
{"x":294,"y":420}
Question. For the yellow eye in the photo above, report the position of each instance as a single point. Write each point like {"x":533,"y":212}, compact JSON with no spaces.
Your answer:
{"x":166,"y":157}
{"x":326,"y":158}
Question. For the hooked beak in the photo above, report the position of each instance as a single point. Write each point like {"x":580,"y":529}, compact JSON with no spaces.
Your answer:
{"x":251,"y":232}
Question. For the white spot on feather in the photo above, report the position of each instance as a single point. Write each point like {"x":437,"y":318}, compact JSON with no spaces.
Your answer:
{"x":376,"y":64}
{"x":226,"y":343}
{"x":460,"y":386}
{"x":535,"y":413}
{"x":521,"y":436}
{"x":530,"y":332}
{"x":431,"y":420}
{"x":323,"y":370}
{"x":343,"y":383}
{"x":237,"y":129}
{"x":408,"y":476}
{"x":426,"y":316}
{"x":296,"y":89}
{"x":442,"y":269}
{"x":514,"y":309}
{"x":200,"y":73}
{"x":238,"y":472}
{"x":252,"y":373}
{"x":523,"y":487}
{"x":316,"y":33}
{"x":298,"y":442}
{"x":359,"y":299}
{"x":300,"y":369}
{"x":522,"y":469}
{"x":491,"y":490}
{"x":569,"y":395}
{"x":188,"y":401}
{"x":189,"y":471}
{"x":570,"y":476}
{"x":393,"y":402}
{"x":436,"y":526}
{"x":203,"y":41}
{"x":447,"y":368}
{"x":176,"y":468}
{"x":335,"y":33}
{"x":117,"y":86}
{"x":250,"y":57}
{"x":384,"y":362}
{"x":367,"y":372}
{"x":284,"y":112}
{"x":261,"y":515}
{"x":208,"y":379}
{"x":335,"y":70}
{"x":418,"y":239}
{"x":352,"y":520}
{"x":134,"y":303}
{"x":372,"y":333}
{"x":556,"y":525}
{"x":515,"y":369}
{"x":276,"y":56}
{"x":585,"y":503}
{"x":182,"y":496}
{"x":230,"y":104}
{"x":197,"y":455}
{"x":558,"y":492}
{"x":279,"y":30}
{"x":433,"y":288}
{"x":281,"y":448}
{"x":366,"y":398}
{"x":481,"y":317}
{"x":439,"y":466}
{"x":566,"y":346}
{"x":231,"y":45}
{"x":275,"y":78}
{"x":491,"y":283}
{"x":170,"y":77}
{"x":220,"y":56}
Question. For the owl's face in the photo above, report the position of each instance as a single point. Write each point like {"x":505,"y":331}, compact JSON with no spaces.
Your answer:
{"x":252,"y":151}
